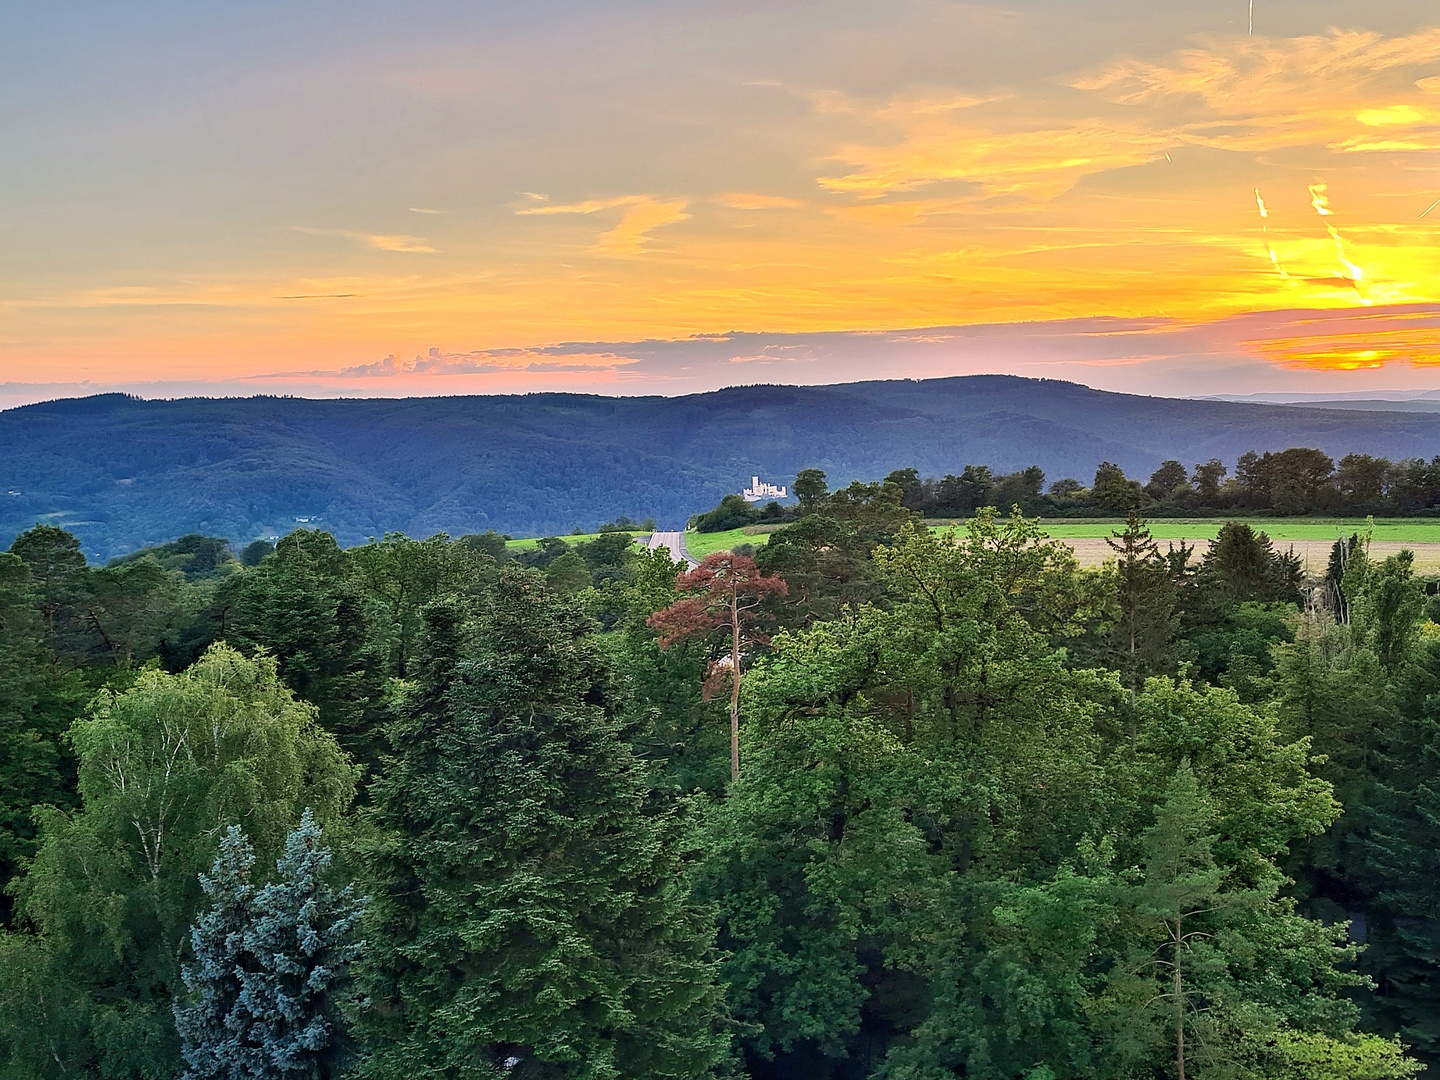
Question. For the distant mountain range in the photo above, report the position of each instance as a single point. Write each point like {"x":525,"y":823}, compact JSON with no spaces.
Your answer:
{"x":123,"y":473}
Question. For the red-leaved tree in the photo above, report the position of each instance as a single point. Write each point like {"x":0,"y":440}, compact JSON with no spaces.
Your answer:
{"x":722,"y":592}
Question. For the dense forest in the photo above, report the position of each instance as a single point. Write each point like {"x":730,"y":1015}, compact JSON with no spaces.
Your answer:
{"x":1300,"y":480}
{"x":122,"y":473}
{"x":874,"y":802}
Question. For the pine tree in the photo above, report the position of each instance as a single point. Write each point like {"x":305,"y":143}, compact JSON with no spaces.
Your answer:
{"x":1143,"y":638}
{"x":299,"y":943}
{"x":212,"y":1029}
{"x":529,"y":919}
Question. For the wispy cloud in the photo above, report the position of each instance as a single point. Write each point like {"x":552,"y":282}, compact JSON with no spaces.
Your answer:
{"x":643,"y":215}
{"x":749,"y":200}
{"x":537,"y":361}
{"x":424,"y":210}
{"x":414,"y":245}
{"x":1229,"y":93}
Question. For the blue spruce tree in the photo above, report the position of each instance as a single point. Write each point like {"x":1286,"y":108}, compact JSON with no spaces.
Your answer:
{"x":299,"y":944}
{"x":212,"y":1028}
{"x":268,"y":964}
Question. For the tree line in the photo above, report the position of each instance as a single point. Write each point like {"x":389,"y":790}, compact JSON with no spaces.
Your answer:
{"x":1296,"y":481}
{"x":870,"y":801}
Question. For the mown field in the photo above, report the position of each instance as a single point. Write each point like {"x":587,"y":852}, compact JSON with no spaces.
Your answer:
{"x":1397,"y":530}
{"x":1310,"y":537}
{"x":569,"y":538}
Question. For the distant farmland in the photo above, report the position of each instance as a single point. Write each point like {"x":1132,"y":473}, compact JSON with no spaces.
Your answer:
{"x":1310,"y":538}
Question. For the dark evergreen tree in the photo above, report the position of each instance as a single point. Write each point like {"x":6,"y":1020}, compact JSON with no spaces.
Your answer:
{"x":1402,"y":855}
{"x":305,"y":605}
{"x":529,"y":918}
{"x":1141,"y":642}
{"x":1242,"y":564}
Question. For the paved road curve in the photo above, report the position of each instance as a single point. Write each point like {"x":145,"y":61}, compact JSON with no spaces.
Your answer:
{"x":675,"y":542}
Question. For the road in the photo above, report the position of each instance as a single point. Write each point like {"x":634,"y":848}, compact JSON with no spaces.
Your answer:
{"x":675,"y":542}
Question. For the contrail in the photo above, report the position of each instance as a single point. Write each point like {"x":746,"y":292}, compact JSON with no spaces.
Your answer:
{"x":1431,"y":207}
{"x":1252,"y":18}
{"x":1265,"y":229}
{"x":1320,"y":200}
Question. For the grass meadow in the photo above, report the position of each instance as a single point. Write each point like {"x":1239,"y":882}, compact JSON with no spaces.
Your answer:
{"x":1310,"y":537}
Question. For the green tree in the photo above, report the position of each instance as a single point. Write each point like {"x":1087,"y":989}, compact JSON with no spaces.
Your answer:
{"x":964,"y":494}
{"x":810,"y":489}
{"x":912,"y":488}
{"x":1112,"y":491}
{"x":254,"y":552}
{"x":1196,"y":975}
{"x":36,"y":703}
{"x":826,"y":567}
{"x":57,"y":568}
{"x":306,"y":607}
{"x":1164,"y":480}
{"x":733,"y":512}
{"x":1361,"y":479}
{"x":898,"y":758}
{"x":1143,"y":637}
{"x":1207,"y":478}
{"x":130,"y":607}
{"x":683,"y":736}
{"x":1020,"y":489}
{"x":1242,"y":564}
{"x":164,"y":767}
{"x":405,"y":575}
{"x":1384,"y":603}
{"x":1398,"y":850}
{"x":528,"y":915}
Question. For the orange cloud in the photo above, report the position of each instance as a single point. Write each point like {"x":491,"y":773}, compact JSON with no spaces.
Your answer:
{"x":1370,"y":341}
{"x":1247,"y":94}
{"x":747,"y":200}
{"x":643,"y":214}
{"x":380,"y":241}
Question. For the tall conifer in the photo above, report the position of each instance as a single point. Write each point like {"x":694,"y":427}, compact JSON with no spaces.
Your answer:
{"x":529,"y":919}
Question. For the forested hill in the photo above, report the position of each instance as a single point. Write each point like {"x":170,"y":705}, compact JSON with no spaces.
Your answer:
{"x":122,"y":472}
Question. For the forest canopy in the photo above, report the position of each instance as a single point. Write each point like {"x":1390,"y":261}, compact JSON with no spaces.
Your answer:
{"x":438,"y":808}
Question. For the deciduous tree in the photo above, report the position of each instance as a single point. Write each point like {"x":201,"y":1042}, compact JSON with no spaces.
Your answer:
{"x":165,"y":767}
{"x":725,"y":591}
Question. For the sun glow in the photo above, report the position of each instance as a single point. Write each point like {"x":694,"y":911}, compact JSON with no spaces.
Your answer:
{"x":1124,"y":186}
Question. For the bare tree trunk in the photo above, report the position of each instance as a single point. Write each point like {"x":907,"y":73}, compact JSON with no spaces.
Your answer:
{"x":1179,"y":1007}
{"x":734,"y":684}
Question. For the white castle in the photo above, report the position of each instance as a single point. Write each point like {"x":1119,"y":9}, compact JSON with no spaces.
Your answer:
{"x":757,"y":491}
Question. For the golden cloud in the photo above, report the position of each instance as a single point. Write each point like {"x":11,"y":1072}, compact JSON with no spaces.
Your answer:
{"x":748,"y":200}
{"x":1245,"y":94}
{"x":1371,"y":341}
{"x":643,"y":214}
{"x":380,"y":241}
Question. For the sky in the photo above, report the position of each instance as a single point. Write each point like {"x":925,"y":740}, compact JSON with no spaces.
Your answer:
{"x":371,"y":198}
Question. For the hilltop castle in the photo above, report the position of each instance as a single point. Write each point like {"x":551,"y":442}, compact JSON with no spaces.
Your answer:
{"x":758,"y":491}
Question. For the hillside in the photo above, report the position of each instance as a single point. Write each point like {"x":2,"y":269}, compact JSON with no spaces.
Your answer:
{"x":122,"y":472}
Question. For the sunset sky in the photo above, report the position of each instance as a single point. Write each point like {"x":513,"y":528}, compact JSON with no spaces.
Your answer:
{"x":659,"y":197}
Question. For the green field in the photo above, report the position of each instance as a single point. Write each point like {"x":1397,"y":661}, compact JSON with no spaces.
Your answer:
{"x":699,"y":544}
{"x":1393,"y":530}
{"x":1387,"y":530}
{"x":574,"y":538}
